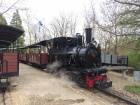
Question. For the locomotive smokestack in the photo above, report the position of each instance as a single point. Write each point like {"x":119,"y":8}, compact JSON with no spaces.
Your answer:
{"x":88,"y":35}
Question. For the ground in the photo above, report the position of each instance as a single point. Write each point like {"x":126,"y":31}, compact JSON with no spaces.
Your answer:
{"x":36,"y":87}
{"x":119,"y":83}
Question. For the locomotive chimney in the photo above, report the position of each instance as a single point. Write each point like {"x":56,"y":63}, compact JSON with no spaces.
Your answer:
{"x":88,"y":35}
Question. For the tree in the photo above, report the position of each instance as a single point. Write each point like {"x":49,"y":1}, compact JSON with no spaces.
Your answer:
{"x":16,"y":22}
{"x":90,"y":19}
{"x":129,"y":2}
{"x":2,"y":19}
{"x":104,"y":25}
{"x":129,"y":22}
{"x":13,"y":5}
{"x":64,"y":25}
{"x":61,"y":24}
{"x":30,"y":27}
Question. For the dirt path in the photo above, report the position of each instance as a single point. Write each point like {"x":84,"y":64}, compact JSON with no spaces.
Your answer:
{"x":35,"y":87}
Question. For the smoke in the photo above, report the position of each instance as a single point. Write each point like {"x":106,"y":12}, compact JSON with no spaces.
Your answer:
{"x":52,"y":68}
{"x":60,"y":73}
{"x":66,"y":79}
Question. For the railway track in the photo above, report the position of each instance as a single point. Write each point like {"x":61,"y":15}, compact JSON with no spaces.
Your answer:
{"x":115,"y":94}
{"x":119,"y":96}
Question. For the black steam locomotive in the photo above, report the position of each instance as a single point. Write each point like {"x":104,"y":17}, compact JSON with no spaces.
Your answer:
{"x":82,"y":62}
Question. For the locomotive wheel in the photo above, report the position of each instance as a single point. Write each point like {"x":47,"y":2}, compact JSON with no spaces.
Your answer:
{"x":3,"y":89}
{"x":80,"y":80}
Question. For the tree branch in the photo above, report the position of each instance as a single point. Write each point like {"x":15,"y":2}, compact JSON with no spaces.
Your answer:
{"x":130,"y":34}
{"x":10,"y":7}
{"x":133,"y":41}
{"x":129,"y":47}
{"x":128,"y":3}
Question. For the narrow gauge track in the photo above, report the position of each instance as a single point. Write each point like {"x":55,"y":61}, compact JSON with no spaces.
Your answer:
{"x":114,"y":94}
{"x":119,"y":96}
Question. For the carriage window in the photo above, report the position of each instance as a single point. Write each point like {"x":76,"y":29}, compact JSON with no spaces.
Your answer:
{"x":51,"y":44}
{"x":56,"y":45}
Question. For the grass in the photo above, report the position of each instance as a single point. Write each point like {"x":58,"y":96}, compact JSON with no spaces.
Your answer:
{"x":134,"y":89}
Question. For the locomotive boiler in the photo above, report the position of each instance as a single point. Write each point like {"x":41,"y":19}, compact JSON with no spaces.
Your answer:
{"x":84,"y":62}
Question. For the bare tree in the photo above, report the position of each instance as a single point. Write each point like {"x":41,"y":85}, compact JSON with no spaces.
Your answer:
{"x":27,"y":22}
{"x":91,"y":20}
{"x":110,"y":13}
{"x":34,"y":31}
{"x":132,"y":2}
{"x":104,"y":25}
{"x":73,"y":24}
{"x":5,"y":7}
{"x":64,"y":25}
{"x":46,"y":32}
{"x":54,"y":30}
{"x":90,"y":17}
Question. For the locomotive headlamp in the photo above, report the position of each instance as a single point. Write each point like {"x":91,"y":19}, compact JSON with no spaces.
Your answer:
{"x":93,"y":56}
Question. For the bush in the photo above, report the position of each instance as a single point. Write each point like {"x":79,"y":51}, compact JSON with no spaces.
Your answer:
{"x":134,"y":89}
{"x":134,"y":60}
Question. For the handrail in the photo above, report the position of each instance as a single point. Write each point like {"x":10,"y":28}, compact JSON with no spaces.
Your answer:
{"x":1,"y":67}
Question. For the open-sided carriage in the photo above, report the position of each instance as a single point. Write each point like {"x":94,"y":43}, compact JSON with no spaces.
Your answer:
{"x":35,"y":54}
{"x":9,"y":64}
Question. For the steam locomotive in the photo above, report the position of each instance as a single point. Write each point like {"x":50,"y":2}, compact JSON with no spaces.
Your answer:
{"x":82,"y":62}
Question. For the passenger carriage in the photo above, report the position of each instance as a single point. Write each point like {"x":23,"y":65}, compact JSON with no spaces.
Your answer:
{"x":9,"y":64}
{"x":35,"y":54}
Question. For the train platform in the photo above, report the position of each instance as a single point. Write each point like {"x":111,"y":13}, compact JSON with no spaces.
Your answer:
{"x":123,"y":69}
{"x":36,"y":87}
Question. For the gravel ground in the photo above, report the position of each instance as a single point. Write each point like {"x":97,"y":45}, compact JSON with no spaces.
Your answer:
{"x":1,"y":97}
{"x":35,"y":87}
{"x":119,"y":83}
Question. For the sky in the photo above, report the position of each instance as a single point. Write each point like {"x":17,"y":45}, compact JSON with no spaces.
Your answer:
{"x":49,"y":8}
{"x":46,"y":10}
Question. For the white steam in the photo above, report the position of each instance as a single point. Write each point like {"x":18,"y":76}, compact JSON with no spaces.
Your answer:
{"x":61,"y":74}
{"x":54,"y":67}
{"x":66,"y":79}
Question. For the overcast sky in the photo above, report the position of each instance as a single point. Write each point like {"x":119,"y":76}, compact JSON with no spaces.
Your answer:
{"x":50,"y":8}
{"x":47,"y":9}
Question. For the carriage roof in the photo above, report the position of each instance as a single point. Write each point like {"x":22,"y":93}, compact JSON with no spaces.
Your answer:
{"x":8,"y":35}
{"x":53,"y":40}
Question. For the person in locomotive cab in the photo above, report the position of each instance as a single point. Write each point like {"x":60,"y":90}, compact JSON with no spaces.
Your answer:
{"x":93,"y":42}
{"x":49,"y":52}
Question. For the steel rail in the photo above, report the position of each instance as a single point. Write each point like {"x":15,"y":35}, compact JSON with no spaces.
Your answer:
{"x":118,"y":97}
